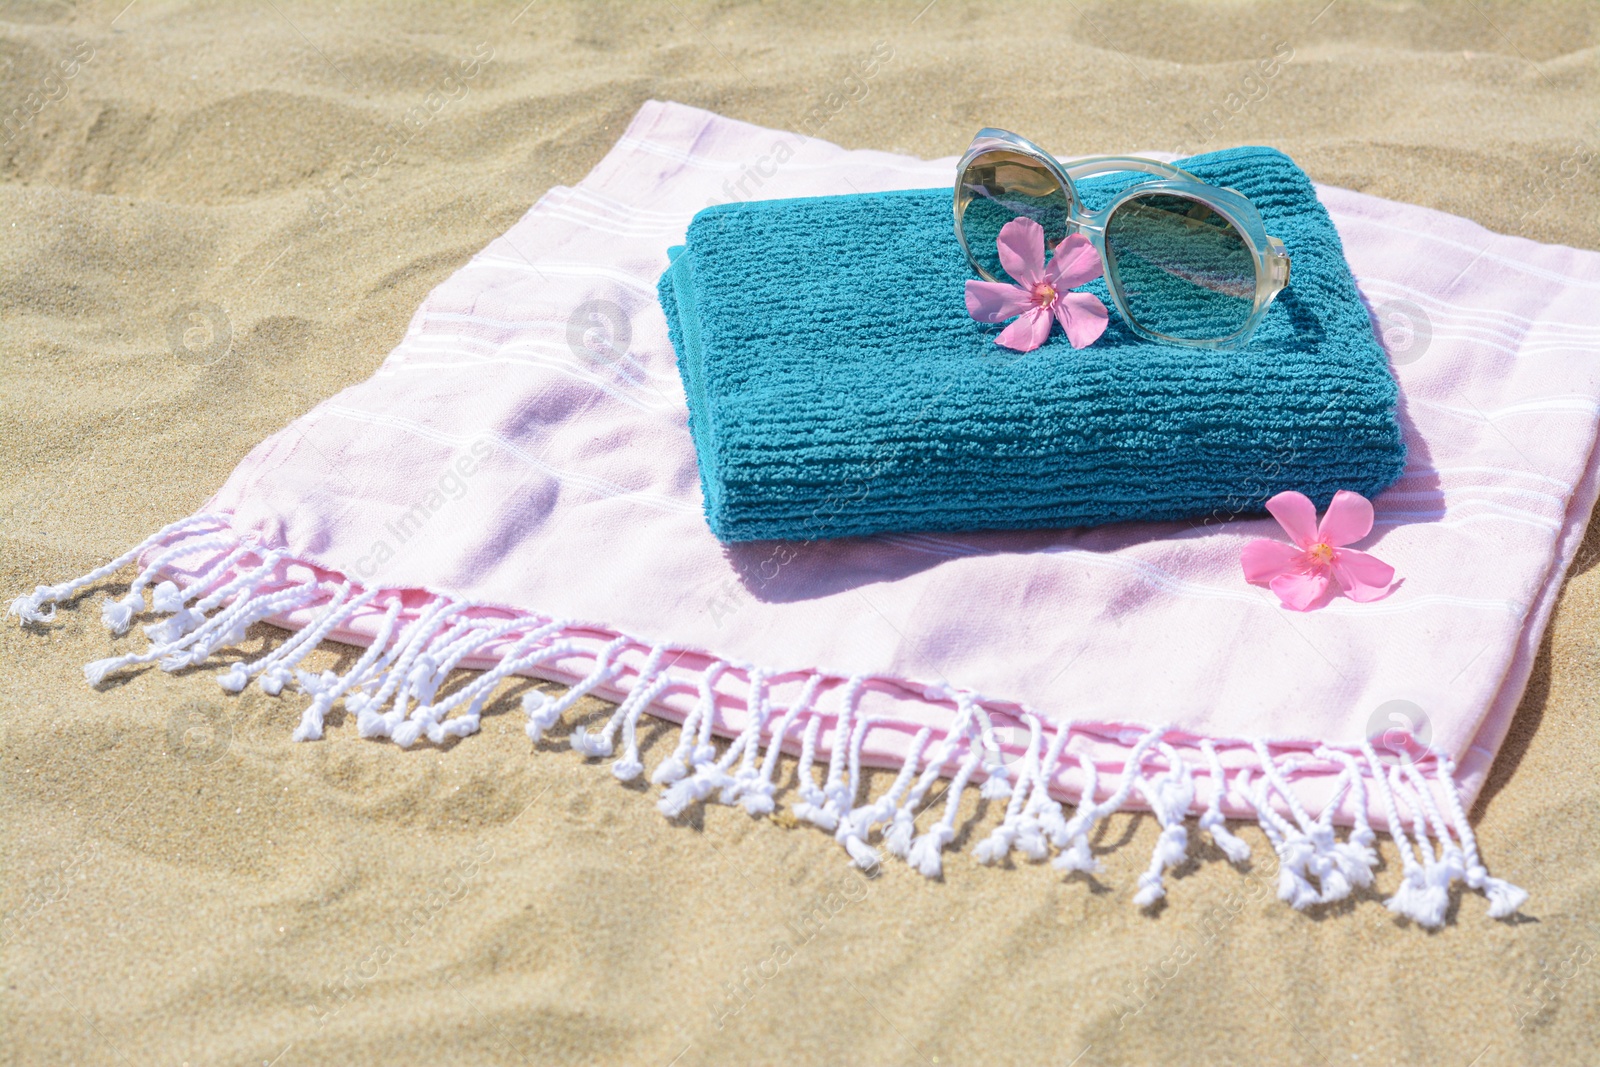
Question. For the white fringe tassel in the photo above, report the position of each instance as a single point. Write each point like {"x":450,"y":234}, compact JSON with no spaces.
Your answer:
{"x":757,"y":797}
{"x":30,"y":608}
{"x":1212,"y":822}
{"x":393,"y":691}
{"x":1169,"y":796}
{"x":1078,"y":828}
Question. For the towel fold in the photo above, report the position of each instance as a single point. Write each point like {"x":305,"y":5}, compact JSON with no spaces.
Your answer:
{"x":837,"y":385}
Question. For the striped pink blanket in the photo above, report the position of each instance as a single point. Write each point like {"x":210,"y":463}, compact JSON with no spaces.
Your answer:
{"x":515,"y":491}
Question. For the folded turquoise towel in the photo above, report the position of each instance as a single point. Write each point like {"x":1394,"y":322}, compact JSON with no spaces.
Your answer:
{"x":837,"y":386}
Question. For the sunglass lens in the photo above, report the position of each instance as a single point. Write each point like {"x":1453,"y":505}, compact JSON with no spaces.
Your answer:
{"x":999,"y":186}
{"x":1185,"y":271}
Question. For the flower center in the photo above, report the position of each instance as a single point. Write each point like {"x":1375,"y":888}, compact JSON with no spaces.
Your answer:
{"x":1044,"y":293}
{"x":1322,"y":552}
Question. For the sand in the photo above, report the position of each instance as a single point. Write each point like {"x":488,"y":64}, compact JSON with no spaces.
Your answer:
{"x":182,"y":884}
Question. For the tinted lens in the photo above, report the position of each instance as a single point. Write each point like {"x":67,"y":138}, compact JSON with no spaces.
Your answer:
{"x":1185,"y":271}
{"x":999,"y":186}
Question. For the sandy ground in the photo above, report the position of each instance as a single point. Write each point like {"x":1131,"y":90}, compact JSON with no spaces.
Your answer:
{"x":183,"y":885}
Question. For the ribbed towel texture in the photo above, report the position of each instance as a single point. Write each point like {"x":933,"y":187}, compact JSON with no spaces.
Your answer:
{"x":836,"y":385}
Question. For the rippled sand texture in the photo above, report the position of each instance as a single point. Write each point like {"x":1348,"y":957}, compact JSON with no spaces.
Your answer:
{"x":182,"y":884}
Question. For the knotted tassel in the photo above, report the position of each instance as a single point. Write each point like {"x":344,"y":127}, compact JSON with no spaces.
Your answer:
{"x":838,"y":792}
{"x":1172,"y":848}
{"x":194,"y":647}
{"x":629,"y":766}
{"x":533,"y":648}
{"x":1439,"y":869}
{"x":1078,"y":857}
{"x":1294,"y":885}
{"x":230,"y":625}
{"x":465,"y":637}
{"x":926,"y":851}
{"x":813,"y":805}
{"x":315,"y":684}
{"x":1504,"y":897}
{"x":117,"y":615}
{"x":1169,"y":797}
{"x":544,"y":712}
{"x":996,"y":783}
{"x":758,"y":795}
{"x":709,"y":775}
{"x":1213,"y":821}
{"x":242,"y":589}
{"x":541,"y":712}
{"x":757,"y":710}
{"x":235,"y":678}
{"x":1424,"y":895}
{"x":395,"y":672}
{"x":818,"y":814}
{"x":852,"y":836}
{"x":694,"y":748}
{"x":185,"y":619}
{"x":168,"y":630}
{"x":275,"y":666}
{"x":1327,"y":866}
{"x":1294,"y":849}
{"x":593,"y":745}
{"x":707,"y":778}
{"x":29,"y":608}
{"x":1307,"y":848}
{"x":329,"y":687}
{"x":601,"y":744}
{"x":1408,"y":899}
{"x":901,"y":835}
{"x":1355,"y":856}
{"x":997,"y":846}
{"x":996,"y":775}
{"x":166,"y":597}
{"x":1042,"y":815}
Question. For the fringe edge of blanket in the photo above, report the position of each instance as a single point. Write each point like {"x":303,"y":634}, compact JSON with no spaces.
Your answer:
{"x":394,"y":691}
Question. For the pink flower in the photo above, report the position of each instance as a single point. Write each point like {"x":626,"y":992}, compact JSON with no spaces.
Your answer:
{"x":1306,"y":574}
{"x":1043,"y":289}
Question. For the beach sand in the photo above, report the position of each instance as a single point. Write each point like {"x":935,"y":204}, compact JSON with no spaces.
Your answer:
{"x":185,"y":885}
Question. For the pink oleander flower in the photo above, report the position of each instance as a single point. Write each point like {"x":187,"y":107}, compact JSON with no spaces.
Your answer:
{"x":1042,"y":292}
{"x":1308,"y":573}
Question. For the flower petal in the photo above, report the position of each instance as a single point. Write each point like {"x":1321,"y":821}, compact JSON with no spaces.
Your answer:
{"x":1021,"y":248}
{"x":1082,"y":315}
{"x":1265,"y":560}
{"x":996,"y":301}
{"x":1361,"y":576}
{"x":1075,"y":263}
{"x":1297,"y":515}
{"x":1302,"y":590}
{"x":1031,"y":330}
{"x":1347,"y":520}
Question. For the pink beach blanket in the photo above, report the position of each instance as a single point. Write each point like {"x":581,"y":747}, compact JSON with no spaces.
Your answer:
{"x":515,"y":491}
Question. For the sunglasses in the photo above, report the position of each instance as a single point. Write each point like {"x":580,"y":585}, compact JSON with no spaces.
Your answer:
{"x":1185,"y":262}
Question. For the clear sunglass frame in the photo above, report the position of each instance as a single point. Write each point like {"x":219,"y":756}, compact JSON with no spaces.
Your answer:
{"x":1270,"y":258}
